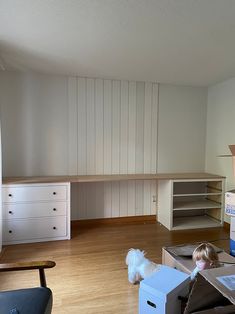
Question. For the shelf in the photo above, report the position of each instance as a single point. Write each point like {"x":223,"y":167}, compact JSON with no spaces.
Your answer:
{"x":195,"y":204}
{"x":191,"y":204}
{"x":195,"y":194}
{"x":195,"y":222}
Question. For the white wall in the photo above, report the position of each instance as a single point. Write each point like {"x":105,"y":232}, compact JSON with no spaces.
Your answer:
{"x":181,"y":129}
{"x":221,"y":130}
{"x":34,"y":124}
{"x":67,"y":125}
{"x":0,"y":191}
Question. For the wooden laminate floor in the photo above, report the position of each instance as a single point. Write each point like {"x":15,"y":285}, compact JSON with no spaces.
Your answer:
{"x":91,"y":276}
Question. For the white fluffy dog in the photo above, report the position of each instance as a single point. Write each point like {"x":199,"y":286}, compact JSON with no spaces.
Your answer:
{"x":139,"y":267}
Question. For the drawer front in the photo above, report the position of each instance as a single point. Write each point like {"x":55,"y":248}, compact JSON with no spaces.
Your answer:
{"x":30,"y":210}
{"x":34,"y":193}
{"x":37,"y":228}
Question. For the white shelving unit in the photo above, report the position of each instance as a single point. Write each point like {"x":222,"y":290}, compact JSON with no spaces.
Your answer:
{"x":191,"y":203}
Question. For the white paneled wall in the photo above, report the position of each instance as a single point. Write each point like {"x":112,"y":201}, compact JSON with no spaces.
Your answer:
{"x":113,"y":199}
{"x":116,"y":127}
{"x":58,"y":125}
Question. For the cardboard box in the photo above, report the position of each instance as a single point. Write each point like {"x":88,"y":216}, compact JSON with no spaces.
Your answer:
{"x":159,"y":293}
{"x":180,"y":257}
{"x":230,"y":211}
{"x":230,"y":203}
{"x":208,"y":294}
{"x":232,"y":149}
{"x":232,"y":236}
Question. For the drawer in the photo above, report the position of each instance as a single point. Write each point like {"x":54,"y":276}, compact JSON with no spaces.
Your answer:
{"x":11,"y":194}
{"x":31,"y":210}
{"x":34,"y":228}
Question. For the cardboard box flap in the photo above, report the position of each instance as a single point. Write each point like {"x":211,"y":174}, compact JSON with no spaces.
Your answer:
{"x":204,"y":296}
{"x":186,"y":250}
{"x":213,"y":275}
{"x":227,"y":309}
{"x":232,"y":148}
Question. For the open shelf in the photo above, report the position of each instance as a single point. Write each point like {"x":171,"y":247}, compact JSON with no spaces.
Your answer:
{"x":196,"y":194}
{"x":195,"y":222}
{"x":191,"y":204}
{"x":195,"y":204}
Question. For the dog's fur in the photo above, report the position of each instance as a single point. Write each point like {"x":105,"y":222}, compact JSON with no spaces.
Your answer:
{"x":139,"y":267}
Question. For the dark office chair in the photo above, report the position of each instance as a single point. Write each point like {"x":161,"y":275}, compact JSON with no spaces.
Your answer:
{"x":30,"y":300}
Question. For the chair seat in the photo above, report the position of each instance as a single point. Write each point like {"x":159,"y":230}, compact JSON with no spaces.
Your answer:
{"x":26,"y":301}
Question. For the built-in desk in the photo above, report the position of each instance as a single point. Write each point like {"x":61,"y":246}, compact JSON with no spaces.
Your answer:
{"x":112,"y":177}
{"x":37,"y":208}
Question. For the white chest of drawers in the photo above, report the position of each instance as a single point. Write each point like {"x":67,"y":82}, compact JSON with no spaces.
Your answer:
{"x":35,"y":212}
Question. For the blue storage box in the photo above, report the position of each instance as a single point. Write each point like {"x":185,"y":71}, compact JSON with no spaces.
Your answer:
{"x":232,"y":236}
{"x":230,"y":203}
{"x":159,"y":293}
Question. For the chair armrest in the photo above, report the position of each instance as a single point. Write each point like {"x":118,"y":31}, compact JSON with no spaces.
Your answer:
{"x":40,"y":265}
{"x":26,"y":265}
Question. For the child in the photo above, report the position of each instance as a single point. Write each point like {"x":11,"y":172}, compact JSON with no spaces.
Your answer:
{"x":205,"y":257}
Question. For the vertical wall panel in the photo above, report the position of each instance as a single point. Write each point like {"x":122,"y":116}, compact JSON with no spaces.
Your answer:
{"x":132,"y":127}
{"x":147,"y":127}
{"x":153,"y":192}
{"x":99,"y":199}
{"x":147,"y":197}
{"x":131,"y":198}
{"x":81,"y":191}
{"x":107,"y":127}
{"x":139,"y":200}
{"x":139,"y":152}
{"x":116,"y":127}
{"x":124,"y":128}
{"x":90,"y":193}
{"x":90,"y":104}
{"x":107,"y":199}
{"x":123,"y":198}
{"x":81,"y":127}
{"x":154,"y":126}
{"x":72,"y":125}
{"x":99,"y":126}
{"x":115,"y":199}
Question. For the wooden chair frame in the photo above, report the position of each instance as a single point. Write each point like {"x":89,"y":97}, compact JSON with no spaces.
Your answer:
{"x":40,"y":265}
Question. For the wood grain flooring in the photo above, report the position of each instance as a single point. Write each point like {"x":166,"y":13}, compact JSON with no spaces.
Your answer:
{"x":91,"y":276}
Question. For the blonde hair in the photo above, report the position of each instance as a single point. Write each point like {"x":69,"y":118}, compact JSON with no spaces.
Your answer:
{"x":206,"y":252}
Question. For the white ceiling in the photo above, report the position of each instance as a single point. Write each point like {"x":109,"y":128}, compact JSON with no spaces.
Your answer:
{"x":189,"y":42}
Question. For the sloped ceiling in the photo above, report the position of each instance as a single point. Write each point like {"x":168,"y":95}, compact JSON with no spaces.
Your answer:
{"x":189,"y":42}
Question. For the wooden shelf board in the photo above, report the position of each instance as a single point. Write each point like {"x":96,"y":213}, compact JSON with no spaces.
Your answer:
{"x":195,"y":194}
{"x":195,"y":222}
{"x":202,"y":204}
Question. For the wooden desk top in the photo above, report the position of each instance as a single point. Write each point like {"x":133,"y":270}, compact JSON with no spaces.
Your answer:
{"x":113,"y":177}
